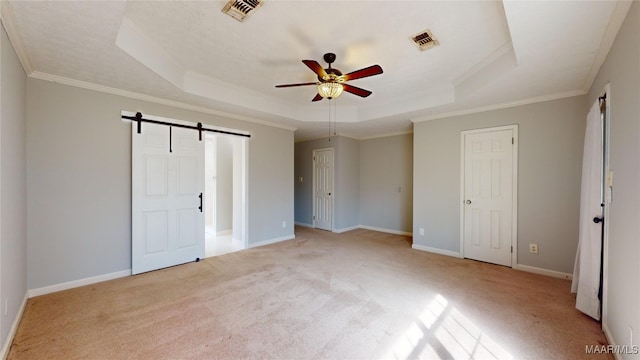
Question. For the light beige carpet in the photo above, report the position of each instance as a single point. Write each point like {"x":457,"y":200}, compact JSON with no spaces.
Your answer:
{"x":356,"y":295}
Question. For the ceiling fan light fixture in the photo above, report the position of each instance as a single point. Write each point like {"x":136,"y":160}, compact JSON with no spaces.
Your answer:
{"x":330,"y":90}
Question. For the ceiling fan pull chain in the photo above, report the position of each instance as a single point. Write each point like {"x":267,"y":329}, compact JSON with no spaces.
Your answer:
{"x":330,"y":102}
{"x":335,"y":123}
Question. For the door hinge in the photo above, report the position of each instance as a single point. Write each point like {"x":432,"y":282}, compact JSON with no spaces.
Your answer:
{"x":314,"y":217}
{"x":314,"y":158}
{"x":513,"y":141}
{"x":512,"y":249}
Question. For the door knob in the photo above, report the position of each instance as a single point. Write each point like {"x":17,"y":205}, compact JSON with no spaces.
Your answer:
{"x":468,"y":202}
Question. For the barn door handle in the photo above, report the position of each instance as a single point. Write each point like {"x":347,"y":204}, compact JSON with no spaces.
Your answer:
{"x":200,"y":207}
{"x":598,"y":220}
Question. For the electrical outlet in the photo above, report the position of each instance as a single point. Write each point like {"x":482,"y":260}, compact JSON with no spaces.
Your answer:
{"x":422,"y":231}
{"x":533,"y":248}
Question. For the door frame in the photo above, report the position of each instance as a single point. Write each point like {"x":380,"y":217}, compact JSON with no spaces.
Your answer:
{"x":607,"y":201}
{"x":313,"y":186}
{"x":241,"y":198}
{"x":514,"y":198}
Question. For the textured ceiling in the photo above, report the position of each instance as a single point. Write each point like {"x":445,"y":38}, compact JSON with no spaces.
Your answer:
{"x":491,"y":53}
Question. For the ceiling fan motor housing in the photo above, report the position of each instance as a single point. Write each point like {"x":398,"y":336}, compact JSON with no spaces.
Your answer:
{"x":329,"y":58}
{"x":332,"y":75}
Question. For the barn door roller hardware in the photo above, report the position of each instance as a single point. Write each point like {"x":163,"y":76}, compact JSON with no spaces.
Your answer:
{"x":139,"y":120}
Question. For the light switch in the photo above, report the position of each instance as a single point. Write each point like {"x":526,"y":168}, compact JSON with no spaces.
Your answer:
{"x":609,"y":193}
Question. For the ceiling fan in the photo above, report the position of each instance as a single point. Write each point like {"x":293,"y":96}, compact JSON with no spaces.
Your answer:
{"x":331,"y":82}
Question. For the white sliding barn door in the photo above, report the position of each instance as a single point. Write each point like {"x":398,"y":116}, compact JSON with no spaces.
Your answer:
{"x":323,"y":189}
{"x":167,"y":183}
{"x":488,"y":195}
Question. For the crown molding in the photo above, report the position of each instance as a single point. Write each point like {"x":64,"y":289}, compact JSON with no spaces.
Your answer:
{"x":617,"y":18}
{"x":344,"y":135}
{"x":395,"y":133}
{"x":322,"y":138}
{"x":6,"y":17}
{"x":506,"y":105}
{"x":139,"y":96}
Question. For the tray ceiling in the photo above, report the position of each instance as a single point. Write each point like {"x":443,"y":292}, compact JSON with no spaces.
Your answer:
{"x":490,"y":54}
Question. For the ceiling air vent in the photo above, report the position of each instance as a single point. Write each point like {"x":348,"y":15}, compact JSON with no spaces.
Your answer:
{"x":425,"y":40}
{"x":241,"y":9}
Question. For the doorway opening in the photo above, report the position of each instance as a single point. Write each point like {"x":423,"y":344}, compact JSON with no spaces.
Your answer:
{"x":224,"y":194}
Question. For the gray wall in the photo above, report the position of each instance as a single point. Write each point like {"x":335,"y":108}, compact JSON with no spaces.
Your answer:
{"x":550,"y":159}
{"x":347,"y":184}
{"x":13,"y":195}
{"x":346,"y":181}
{"x":386,"y":183}
{"x":79,"y":180}
{"x":367,"y":176}
{"x":224,"y":181}
{"x":622,"y":70}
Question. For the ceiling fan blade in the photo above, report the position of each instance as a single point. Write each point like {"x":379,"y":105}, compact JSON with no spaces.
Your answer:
{"x":300,"y":84}
{"x":358,"y":74}
{"x":356,"y":90}
{"x":317,"y":98}
{"x":316,"y":68}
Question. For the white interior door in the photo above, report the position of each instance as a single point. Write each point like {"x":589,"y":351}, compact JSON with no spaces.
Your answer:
{"x":488,"y":195}
{"x":167,"y":183}
{"x":323,"y":188}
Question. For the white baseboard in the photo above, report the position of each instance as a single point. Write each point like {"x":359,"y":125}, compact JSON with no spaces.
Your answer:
{"x":77,"y":283}
{"x":340,"y":231}
{"x":541,"y":271}
{"x":610,"y":340}
{"x":6,"y":346}
{"x":272,"y":241}
{"x":389,"y":231}
{"x":436,"y":250}
{"x":527,"y":268}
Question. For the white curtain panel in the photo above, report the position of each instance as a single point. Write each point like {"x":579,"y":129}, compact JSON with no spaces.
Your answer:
{"x":586,"y":272}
